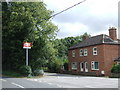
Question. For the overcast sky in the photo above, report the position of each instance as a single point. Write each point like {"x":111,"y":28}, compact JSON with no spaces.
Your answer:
{"x":92,"y":16}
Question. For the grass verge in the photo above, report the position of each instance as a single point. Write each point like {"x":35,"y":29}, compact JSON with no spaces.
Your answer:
{"x":14,"y":74}
{"x":11,"y":74}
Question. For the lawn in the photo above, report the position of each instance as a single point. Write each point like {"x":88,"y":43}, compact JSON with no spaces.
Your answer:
{"x":11,"y":74}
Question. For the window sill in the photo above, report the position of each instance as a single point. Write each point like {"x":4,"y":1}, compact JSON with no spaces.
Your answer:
{"x":74,"y":68}
{"x":95,"y":54}
{"x":95,"y":69}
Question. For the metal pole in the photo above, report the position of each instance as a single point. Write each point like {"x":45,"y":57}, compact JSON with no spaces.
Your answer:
{"x":26,"y":56}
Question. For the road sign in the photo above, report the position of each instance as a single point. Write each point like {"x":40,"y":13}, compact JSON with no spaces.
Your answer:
{"x":27,"y":45}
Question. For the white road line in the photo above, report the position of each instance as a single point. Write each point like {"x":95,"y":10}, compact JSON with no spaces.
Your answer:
{"x":18,"y":85}
{"x":89,"y":87}
{"x":44,"y":81}
{"x":3,"y":80}
{"x":59,"y":85}
{"x":49,"y":83}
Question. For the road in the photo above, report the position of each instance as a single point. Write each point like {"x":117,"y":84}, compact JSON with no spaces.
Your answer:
{"x":53,"y":80}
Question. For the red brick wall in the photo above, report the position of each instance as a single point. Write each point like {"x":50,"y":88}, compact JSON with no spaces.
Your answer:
{"x":105,"y":56}
{"x":110,"y":53}
{"x":119,"y":50}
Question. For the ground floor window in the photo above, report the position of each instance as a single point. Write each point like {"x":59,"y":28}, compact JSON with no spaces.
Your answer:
{"x":95,"y":65}
{"x":74,"y":65}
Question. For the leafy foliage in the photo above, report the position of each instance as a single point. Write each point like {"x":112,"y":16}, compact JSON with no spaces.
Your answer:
{"x":38,"y":72}
{"x":25,"y":70}
{"x":26,"y":21}
{"x":116,"y":68}
{"x":55,"y":66}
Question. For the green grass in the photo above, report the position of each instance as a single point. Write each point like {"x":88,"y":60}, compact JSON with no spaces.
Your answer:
{"x":11,"y":74}
{"x":14,"y":74}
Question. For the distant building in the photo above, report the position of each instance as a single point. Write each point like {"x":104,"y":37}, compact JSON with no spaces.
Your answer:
{"x":94,"y":55}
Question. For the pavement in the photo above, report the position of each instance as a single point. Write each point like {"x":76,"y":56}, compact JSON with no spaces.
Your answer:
{"x":53,"y":80}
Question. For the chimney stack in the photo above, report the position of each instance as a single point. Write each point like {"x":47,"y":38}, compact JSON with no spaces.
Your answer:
{"x":113,"y":33}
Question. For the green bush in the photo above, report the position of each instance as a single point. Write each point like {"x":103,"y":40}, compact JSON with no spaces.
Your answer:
{"x":38,"y":72}
{"x":116,"y":68}
{"x":25,"y":70}
{"x":66,"y":66}
{"x":55,"y":65}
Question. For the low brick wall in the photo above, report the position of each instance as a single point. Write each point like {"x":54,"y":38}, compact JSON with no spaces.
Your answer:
{"x":88,"y":73}
{"x":65,"y":72}
{"x":115,"y":75}
{"x":79,"y":73}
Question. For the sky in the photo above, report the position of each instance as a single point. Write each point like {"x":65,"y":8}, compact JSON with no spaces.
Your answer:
{"x":92,"y":16}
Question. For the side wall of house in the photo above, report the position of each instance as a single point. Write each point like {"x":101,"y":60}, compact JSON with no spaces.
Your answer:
{"x":119,"y":50}
{"x":110,"y":53}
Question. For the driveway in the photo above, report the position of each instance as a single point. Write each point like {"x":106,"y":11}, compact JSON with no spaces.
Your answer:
{"x":53,"y":80}
{"x":75,"y":81}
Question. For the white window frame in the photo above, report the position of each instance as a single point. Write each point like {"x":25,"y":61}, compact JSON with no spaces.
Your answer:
{"x":81,"y":52}
{"x":74,"y":67}
{"x":85,"y":52}
{"x":93,"y":65}
{"x":95,"y":51}
{"x":73,"y":53}
{"x":81,"y":69}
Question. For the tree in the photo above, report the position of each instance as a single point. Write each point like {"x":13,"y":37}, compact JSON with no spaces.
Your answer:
{"x":26,"y":21}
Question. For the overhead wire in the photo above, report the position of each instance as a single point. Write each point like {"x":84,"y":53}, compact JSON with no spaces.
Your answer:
{"x":67,"y":8}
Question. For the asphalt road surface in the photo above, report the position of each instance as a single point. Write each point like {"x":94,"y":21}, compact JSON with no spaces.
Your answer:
{"x":53,"y":80}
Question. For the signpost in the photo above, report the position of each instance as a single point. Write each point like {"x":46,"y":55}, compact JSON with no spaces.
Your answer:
{"x":27,"y":45}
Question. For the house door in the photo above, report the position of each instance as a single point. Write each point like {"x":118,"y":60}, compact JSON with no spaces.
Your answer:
{"x":86,"y":67}
{"x":81,"y":66}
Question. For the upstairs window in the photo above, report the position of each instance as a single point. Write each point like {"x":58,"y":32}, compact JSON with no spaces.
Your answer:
{"x":81,"y":52}
{"x":94,"y":51}
{"x":73,"y":53}
{"x":74,"y":65}
{"x":85,"y":52}
{"x":94,"y":65}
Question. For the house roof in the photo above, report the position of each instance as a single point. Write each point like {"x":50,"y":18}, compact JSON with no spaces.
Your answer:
{"x":95,"y":40}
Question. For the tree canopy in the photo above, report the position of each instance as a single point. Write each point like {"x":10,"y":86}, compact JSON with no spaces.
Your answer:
{"x":26,"y":21}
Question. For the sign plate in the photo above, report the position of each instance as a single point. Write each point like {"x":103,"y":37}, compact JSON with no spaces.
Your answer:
{"x":27,"y":45}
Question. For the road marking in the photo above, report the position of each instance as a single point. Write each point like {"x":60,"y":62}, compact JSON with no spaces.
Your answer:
{"x":18,"y":85}
{"x":3,"y":80}
{"x":89,"y":86}
{"x":49,"y":83}
{"x":59,"y":85}
{"x":44,"y":81}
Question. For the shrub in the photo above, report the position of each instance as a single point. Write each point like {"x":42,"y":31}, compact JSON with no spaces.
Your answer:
{"x":55,"y":66}
{"x":116,"y":68}
{"x":38,"y":72}
{"x":66,"y":66}
{"x":25,"y":70}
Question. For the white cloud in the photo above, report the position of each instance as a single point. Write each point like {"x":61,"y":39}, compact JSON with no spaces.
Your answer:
{"x":92,"y":16}
{"x":71,"y":29}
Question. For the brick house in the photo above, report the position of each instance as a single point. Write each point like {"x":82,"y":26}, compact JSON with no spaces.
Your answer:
{"x":94,"y":55}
